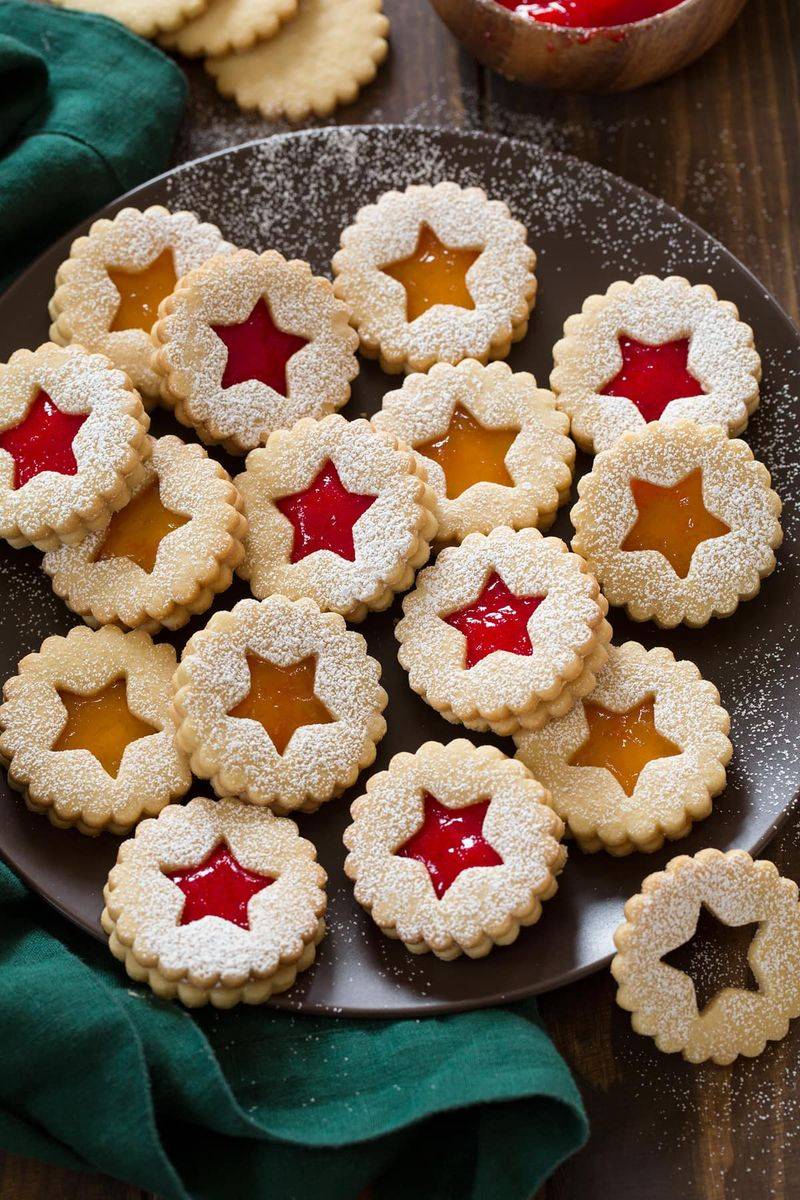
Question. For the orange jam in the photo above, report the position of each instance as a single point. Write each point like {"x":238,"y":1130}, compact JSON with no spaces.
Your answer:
{"x":433,"y":274}
{"x":141,"y":292}
{"x":471,"y":453}
{"x":673,"y":520}
{"x":623,"y":742}
{"x":101,"y":723}
{"x":282,"y":699}
{"x":138,"y":529}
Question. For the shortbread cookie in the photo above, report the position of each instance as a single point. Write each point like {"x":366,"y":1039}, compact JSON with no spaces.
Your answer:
{"x":453,"y":849}
{"x":164,"y":556}
{"x":230,"y":25}
{"x":109,"y":289}
{"x":678,"y":522}
{"x":436,"y":274}
{"x":88,"y":733}
{"x":337,"y":511}
{"x":640,"y":758}
{"x":504,"y":632}
{"x":664,"y":915}
{"x":279,"y":704}
{"x":145,"y":17}
{"x":250,"y":343}
{"x":654,"y":350}
{"x":321,"y":59}
{"x":494,"y":448}
{"x":73,"y":440}
{"x":215,"y":901}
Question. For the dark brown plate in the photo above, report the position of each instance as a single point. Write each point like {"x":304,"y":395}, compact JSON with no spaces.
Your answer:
{"x":296,"y":193}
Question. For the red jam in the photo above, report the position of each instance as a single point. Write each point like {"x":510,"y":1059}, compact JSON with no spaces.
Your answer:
{"x":323,"y":515}
{"x":449,"y":841}
{"x":589,"y":14}
{"x":218,"y":887}
{"x":497,"y":620}
{"x":258,"y":349}
{"x":42,"y":441}
{"x":653,"y":376}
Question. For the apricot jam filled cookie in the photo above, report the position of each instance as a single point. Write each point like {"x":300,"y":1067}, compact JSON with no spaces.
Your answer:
{"x":73,"y":438}
{"x":215,"y":901}
{"x":639,"y":759}
{"x":663,"y":1000}
{"x":164,"y":556}
{"x":494,"y":448}
{"x":250,"y":343}
{"x":453,"y":849}
{"x":505,"y":631}
{"x":338,"y":511}
{"x":88,"y":733}
{"x":654,"y":350}
{"x":109,"y":289}
{"x":678,"y":522}
{"x":279,"y":704}
{"x":436,"y":274}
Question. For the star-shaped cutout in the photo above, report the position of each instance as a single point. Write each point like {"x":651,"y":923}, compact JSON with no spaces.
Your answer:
{"x":471,"y":453}
{"x":653,"y":376}
{"x":497,"y":620}
{"x":715,"y":957}
{"x":623,"y":742}
{"x":449,"y":841}
{"x":282,"y":699}
{"x":258,"y":349}
{"x":673,"y":520}
{"x":323,"y":515}
{"x":138,"y":529}
{"x":141,"y":292}
{"x":42,"y":441}
{"x":433,"y":274}
{"x":218,"y":887}
{"x":102,"y":724}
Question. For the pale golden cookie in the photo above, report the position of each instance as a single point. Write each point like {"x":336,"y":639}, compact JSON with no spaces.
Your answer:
{"x":230,"y":25}
{"x":145,"y":17}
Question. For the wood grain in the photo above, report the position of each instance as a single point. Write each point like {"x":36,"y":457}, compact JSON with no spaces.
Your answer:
{"x":720,"y":142}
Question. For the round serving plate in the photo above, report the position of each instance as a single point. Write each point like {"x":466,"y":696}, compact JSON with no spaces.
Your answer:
{"x":296,"y":193}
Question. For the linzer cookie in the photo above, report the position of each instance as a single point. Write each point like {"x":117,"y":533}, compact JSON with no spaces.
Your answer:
{"x":279,"y":704}
{"x":251,"y":343}
{"x":640,"y":758}
{"x":215,"y":902}
{"x":453,"y":849}
{"x":88,"y":734}
{"x":163,"y":557}
{"x":654,"y":350}
{"x":505,"y":632}
{"x":229,"y":26}
{"x":436,"y":274}
{"x":109,"y":289}
{"x":73,"y":439}
{"x":662,"y":1000}
{"x":678,"y":522}
{"x":495,"y":450}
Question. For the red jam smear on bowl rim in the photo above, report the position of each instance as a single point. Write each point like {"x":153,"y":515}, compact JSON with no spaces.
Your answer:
{"x":589,"y":14}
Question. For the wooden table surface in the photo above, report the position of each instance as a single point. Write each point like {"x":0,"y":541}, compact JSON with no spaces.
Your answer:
{"x":721,"y":142}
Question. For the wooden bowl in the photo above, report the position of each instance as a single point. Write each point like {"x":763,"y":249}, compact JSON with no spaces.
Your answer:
{"x":598,"y":60}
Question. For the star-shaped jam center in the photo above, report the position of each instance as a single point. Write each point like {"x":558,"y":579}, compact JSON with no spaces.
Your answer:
{"x":449,"y":841}
{"x":471,"y":453}
{"x":324,"y":515}
{"x":282,"y":699}
{"x":673,"y":520}
{"x":138,"y":529}
{"x":653,"y":376}
{"x":433,"y":274}
{"x":258,"y":350}
{"x":42,"y":441}
{"x":102,"y":724}
{"x":716,"y":957}
{"x":623,"y":742}
{"x":141,"y":292}
{"x":218,"y":887}
{"x":497,"y":620}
